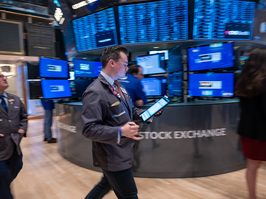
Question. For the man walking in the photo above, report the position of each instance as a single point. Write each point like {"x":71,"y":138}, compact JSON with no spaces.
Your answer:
{"x":108,"y":115}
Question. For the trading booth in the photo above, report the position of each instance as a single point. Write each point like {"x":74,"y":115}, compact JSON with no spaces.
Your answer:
{"x":193,"y":51}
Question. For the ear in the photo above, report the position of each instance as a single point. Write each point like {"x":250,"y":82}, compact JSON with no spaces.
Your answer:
{"x":112,"y":63}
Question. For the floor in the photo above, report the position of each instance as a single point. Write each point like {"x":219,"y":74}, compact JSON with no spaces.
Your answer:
{"x":46,"y":175}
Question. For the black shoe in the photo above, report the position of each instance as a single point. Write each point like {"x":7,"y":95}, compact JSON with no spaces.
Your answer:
{"x":52,"y":140}
{"x":45,"y":139}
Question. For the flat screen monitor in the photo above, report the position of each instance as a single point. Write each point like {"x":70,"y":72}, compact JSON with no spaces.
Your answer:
{"x":175,"y":84}
{"x":154,"y":86}
{"x":55,"y":88}
{"x":242,"y":62}
{"x":219,"y":55}
{"x":259,"y":29}
{"x":95,"y":30}
{"x":166,"y":54}
{"x":152,"y":64}
{"x":35,"y":90}
{"x":228,"y":19}
{"x":211,"y":85}
{"x":175,"y":60}
{"x":153,"y":21}
{"x":81,"y":85}
{"x":83,"y":68}
{"x":53,"y":68}
{"x":33,"y":70}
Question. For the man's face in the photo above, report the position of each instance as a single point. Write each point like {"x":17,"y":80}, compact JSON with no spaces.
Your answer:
{"x":121,"y":66}
{"x":3,"y":82}
{"x":139,"y":74}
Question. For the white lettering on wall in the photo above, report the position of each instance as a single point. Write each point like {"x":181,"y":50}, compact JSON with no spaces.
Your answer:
{"x":72,"y":129}
{"x":183,"y":134}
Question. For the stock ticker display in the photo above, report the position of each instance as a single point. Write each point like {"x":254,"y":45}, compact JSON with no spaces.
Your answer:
{"x":95,"y":30}
{"x":153,"y":21}
{"x":223,"y":19}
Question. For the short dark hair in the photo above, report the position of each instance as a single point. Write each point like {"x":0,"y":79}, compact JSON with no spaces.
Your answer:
{"x":133,"y":69}
{"x":112,"y":52}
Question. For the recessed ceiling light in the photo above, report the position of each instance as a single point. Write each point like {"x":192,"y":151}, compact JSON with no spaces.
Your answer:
{"x":156,"y":47}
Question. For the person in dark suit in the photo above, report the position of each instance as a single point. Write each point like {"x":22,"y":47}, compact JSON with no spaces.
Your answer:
{"x":108,"y":115}
{"x":133,"y":85}
{"x":251,"y":87}
{"x":13,"y":125}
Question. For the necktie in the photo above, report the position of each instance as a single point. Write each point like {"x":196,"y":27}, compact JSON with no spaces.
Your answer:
{"x":3,"y":102}
{"x":118,"y":88}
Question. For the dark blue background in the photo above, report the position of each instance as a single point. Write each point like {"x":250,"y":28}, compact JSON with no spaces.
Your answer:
{"x":44,"y":62}
{"x":227,"y":59}
{"x":94,"y":71}
{"x":227,"y":84}
{"x":150,"y":83}
{"x":47,"y":91}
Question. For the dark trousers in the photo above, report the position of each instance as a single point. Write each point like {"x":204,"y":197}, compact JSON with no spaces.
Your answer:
{"x":122,"y":182}
{"x":9,"y":169}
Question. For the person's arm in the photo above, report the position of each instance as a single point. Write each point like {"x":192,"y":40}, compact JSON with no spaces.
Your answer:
{"x":140,"y":95}
{"x":23,"y":124}
{"x":94,"y":110}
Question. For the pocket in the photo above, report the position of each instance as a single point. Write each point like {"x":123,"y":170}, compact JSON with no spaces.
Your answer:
{"x":115,"y":111}
{"x":118,"y":114}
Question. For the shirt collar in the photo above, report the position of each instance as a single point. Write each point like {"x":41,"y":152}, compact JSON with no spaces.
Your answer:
{"x":4,"y":94}
{"x":108,"y":78}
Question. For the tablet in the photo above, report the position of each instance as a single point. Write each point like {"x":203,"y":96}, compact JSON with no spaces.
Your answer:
{"x":155,"y":108}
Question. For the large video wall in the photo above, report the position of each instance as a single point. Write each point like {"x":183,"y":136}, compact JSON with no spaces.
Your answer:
{"x":223,"y":19}
{"x":95,"y":30}
{"x":153,"y":21}
{"x":170,"y":20}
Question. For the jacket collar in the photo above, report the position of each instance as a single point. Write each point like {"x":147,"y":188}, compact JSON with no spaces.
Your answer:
{"x":104,"y":81}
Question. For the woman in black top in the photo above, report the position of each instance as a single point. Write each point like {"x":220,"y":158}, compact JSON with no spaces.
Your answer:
{"x":251,"y":88}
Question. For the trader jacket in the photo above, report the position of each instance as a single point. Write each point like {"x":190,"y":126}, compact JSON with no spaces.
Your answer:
{"x":103,"y":112}
{"x":10,"y":123}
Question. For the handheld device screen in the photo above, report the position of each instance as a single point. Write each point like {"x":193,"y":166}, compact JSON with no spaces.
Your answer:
{"x":155,"y":108}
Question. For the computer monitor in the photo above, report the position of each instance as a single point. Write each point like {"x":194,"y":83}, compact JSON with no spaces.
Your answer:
{"x":175,"y":60}
{"x":166,"y":55}
{"x":84,"y":68}
{"x":95,"y":30}
{"x":53,"y":68}
{"x":33,"y":70}
{"x":155,"y":86}
{"x":81,"y":85}
{"x":153,"y":21}
{"x":175,"y":84}
{"x":152,"y":64}
{"x":218,"y":55}
{"x":211,"y":85}
{"x":242,"y":62}
{"x":223,"y":20}
{"x":35,"y":90}
{"x":55,"y":88}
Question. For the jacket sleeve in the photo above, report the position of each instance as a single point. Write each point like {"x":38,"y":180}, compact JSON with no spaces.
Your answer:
{"x":139,"y":92}
{"x":23,"y":124}
{"x":94,"y":110}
